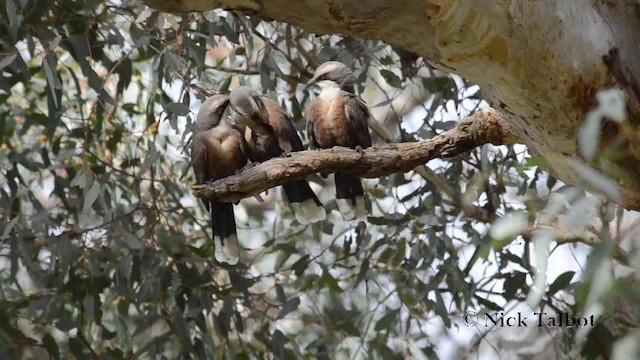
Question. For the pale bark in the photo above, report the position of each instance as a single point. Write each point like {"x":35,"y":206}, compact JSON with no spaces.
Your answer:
{"x":539,"y":63}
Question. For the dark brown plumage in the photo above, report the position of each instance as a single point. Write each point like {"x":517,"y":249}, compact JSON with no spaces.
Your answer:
{"x":269,"y":133}
{"x":340,"y":118}
{"x":218,"y":151}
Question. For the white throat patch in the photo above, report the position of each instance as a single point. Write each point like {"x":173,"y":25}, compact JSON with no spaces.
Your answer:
{"x":329,"y":88}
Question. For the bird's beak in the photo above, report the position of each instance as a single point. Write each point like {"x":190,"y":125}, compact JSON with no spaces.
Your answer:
{"x":223,"y":105}
{"x":237,"y":117}
{"x":311,"y":83}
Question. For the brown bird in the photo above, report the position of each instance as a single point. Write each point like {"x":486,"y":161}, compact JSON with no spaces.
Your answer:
{"x":269,"y":133}
{"x":218,"y":151}
{"x":337,"y":117}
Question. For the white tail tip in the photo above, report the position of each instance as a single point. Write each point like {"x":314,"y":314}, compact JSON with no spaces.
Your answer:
{"x":361,"y":208}
{"x":226,"y":250}
{"x":347,"y":209}
{"x":351,"y":211}
{"x":308,"y":212}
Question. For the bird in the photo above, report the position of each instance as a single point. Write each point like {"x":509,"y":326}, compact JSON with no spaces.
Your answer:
{"x":338,"y":117}
{"x":218,"y":150}
{"x":269,"y":133}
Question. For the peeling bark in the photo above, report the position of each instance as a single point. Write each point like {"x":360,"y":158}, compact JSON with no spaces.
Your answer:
{"x":538,"y":63}
{"x":480,"y":128}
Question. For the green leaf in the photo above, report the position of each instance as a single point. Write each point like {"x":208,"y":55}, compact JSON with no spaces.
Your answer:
{"x":364,"y":269}
{"x":125,"y":72}
{"x":273,"y":65}
{"x":301,"y":265}
{"x":51,"y":346}
{"x":178,"y":108}
{"x":277,"y":344}
{"x":391,"y":78}
{"x":399,"y":254}
{"x":48,"y":64}
{"x":7,"y":229}
{"x":488,"y":304}
{"x":389,"y":219}
{"x":143,"y":40}
{"x":441,"y":310}
{"x":387,"y":320}
{"x":386,"y":60}
{"x":172,"y":61}
{"x":7,"y":60}
{"x":180,"y":327}
{"x":385,"y":256}
{"x":326,"y":53}
{"x":287,"y":248}
{"x":561,"y":282}
{"x":230,"y":33}
{"x":350,"y":328}
{"x":330,"y":281}
{"x":14,"y":18}
{"x":508,"y":256}
{"x":600,"y":341}
{"x":90,"y":196}
{"x":80,"y":52}
{"x":282,"y":298}
{"x":267,"y":77}
{"x":289,"y":306}
{"x":512,"y":283}
{"x":80,"y":180}
{"x":76,"y":348}
{"x":131,"y":240}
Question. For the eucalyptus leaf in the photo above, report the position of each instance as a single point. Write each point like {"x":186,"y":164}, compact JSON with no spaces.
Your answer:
{"x":178,"y":108}
{"x":90,"y":196}
{"x":288,"y":307}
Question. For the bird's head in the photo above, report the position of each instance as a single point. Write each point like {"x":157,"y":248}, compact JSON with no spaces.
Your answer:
{"x":332,"y":74}
{"x":211,"y":112}
{"x":247,"y":108}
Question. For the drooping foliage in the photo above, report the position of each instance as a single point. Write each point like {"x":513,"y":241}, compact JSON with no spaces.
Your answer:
{"x":106,"y":254}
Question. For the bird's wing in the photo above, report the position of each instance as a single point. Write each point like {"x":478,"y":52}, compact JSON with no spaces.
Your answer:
{"x":312,"y":113}
{"x":282,"y":124}
{"x":199,"y":159}
{"x":358,"y":115}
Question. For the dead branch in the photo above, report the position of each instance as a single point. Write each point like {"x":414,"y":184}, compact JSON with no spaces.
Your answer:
{"x":480,"y":128}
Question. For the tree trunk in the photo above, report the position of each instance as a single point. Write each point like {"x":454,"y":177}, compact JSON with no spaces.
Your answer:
{"x":539,"y":64}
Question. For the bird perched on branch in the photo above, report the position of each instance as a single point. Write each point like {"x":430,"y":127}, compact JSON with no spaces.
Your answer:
{"x":218,"y":151}
{"x":269,"y":133}
{"x":337,"y":117}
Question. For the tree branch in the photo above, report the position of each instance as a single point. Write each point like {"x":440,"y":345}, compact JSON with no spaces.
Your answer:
{"x":480,"y":128}
{"x":540,"y":75}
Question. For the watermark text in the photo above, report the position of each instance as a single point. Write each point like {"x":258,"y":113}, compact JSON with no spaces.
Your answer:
{"x":519,"y":319}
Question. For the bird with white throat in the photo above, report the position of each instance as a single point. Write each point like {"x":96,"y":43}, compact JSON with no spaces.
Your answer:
{"x":338,"y":117}
{"x":269,"y":132}
{"x":218,"y":151}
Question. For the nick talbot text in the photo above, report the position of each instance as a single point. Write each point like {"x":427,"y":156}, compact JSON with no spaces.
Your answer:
{"x":517,"y":319}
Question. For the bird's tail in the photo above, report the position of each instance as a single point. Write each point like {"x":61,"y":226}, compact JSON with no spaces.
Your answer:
{"x":225,"y":239}
{"x":304,"y":202}
{"x":350,"y":197}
